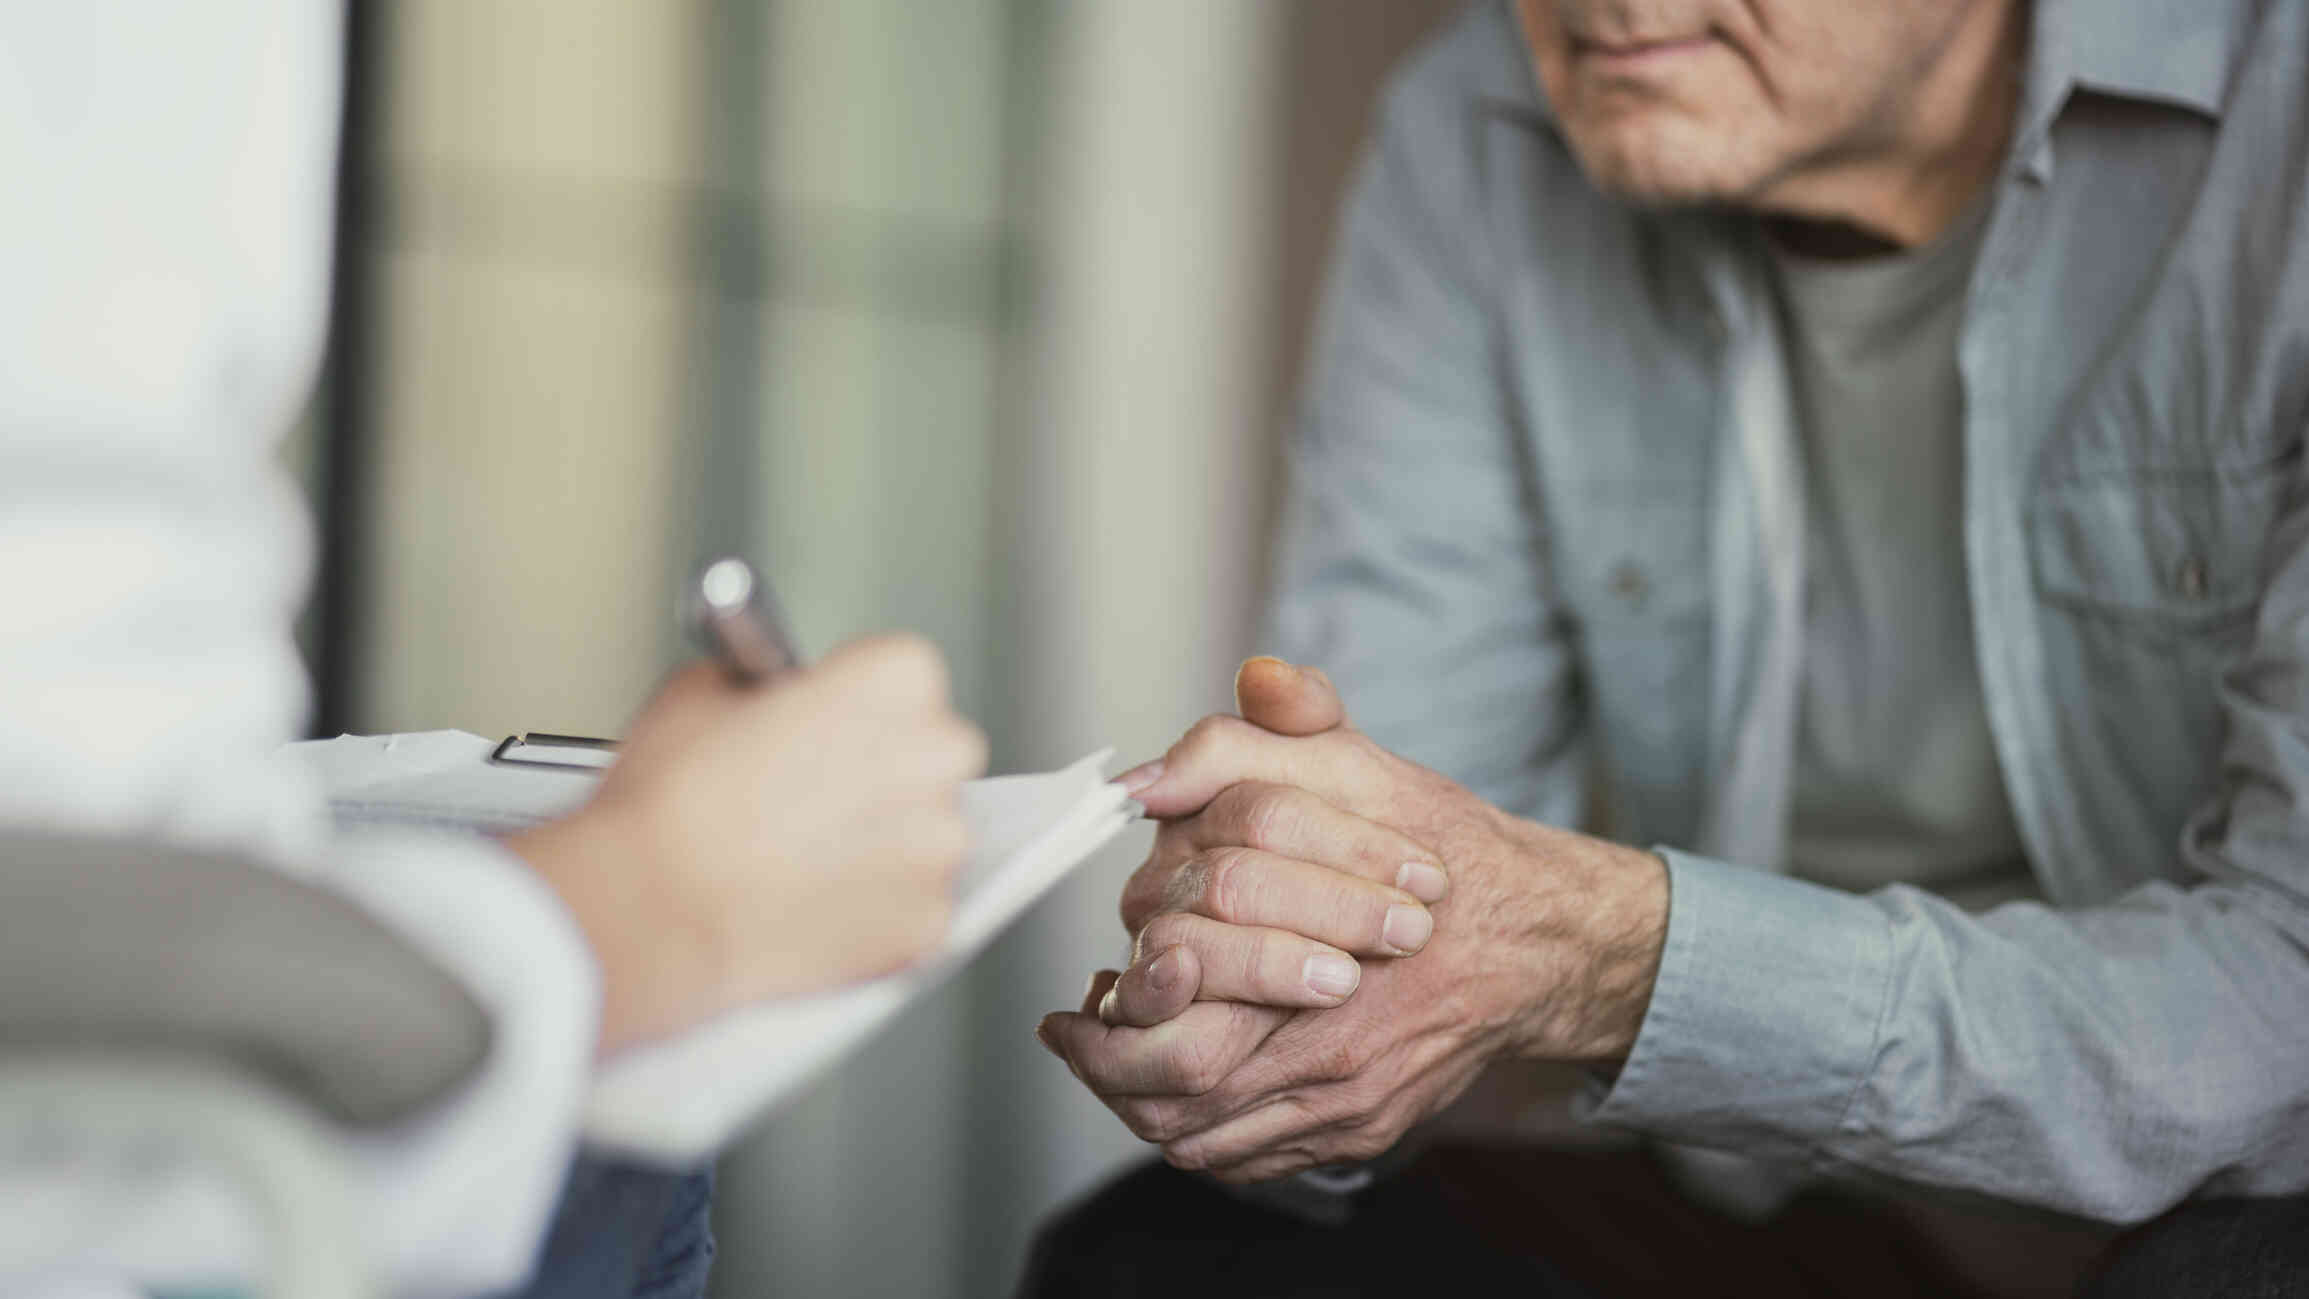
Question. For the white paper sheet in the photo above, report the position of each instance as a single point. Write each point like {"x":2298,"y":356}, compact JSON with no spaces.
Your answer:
{"x":679,"y":1101}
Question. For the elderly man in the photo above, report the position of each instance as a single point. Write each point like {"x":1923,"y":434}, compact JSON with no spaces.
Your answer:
{"x":1851,"y":454}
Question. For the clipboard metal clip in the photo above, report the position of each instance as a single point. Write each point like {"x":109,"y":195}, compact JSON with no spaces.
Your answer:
{"x":565,"y":752}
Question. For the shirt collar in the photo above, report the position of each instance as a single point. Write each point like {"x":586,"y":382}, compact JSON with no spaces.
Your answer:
{"x":2180,"y":52}
{"x":1513,"y":95}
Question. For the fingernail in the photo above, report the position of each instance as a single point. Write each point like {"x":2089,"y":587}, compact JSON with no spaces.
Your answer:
{"x":1328,"y":975}
{"x":1407,"y":928}
{"x":1140,"y":776}
{"x":1422,"y":881}
{"x":1042,"y":1035}
{"x":1163,"y":971}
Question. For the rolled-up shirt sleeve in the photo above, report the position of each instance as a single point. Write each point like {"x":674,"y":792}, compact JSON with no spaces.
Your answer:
{"x":165,"y":250}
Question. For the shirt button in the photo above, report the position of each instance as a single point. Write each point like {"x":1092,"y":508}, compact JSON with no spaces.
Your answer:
{"x":2193,"y":578}
{"x":1629,"y":584}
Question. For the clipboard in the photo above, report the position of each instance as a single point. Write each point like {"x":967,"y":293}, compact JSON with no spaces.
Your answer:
{"x":676,"y":1102}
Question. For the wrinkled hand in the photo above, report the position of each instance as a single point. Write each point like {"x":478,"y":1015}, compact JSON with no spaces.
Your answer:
{"x":757,"y":842}
{"x":1268,"y":891}
{"x":1545,"y":947}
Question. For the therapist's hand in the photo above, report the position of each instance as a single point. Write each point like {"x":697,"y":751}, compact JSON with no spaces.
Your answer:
{"x":754,"y":843}
{"x":1545,"y":947}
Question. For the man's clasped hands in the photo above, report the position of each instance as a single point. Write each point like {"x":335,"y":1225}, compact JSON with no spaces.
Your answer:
{"x":1330,"y":942}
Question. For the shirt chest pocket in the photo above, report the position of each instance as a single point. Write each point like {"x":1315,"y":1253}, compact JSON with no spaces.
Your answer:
{"x":1634,"y":565}
{"x":2166,"y":555}
{"x":2148,"y":584}
{"x":1634,"y":574}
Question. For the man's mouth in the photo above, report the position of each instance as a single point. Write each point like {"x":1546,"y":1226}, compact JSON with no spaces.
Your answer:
{"x":1636,"y":55}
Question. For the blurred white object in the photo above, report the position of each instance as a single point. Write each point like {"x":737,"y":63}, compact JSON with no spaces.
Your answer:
{"x":198,"y":1029}
{"x":168,"y":1118}
{"x":164,"y":249}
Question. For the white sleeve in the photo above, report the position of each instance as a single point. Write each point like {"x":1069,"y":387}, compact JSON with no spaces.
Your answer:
{"x":164,"y":248}
{"x":457,"y":1200}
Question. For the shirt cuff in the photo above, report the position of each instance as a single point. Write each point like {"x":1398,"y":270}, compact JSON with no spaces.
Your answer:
{"x":1764,"y":1019}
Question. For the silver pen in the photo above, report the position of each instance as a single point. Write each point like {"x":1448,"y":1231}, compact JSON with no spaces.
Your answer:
{"x":735,"y":618}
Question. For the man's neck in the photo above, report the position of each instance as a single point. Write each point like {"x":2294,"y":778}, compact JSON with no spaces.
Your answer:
{"x":1924,"y":169}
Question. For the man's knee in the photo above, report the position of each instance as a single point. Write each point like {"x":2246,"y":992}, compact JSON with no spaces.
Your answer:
{"x":1122,"y":1239}
{"x":2236,"y":1249}
{"x":1158,"y":1231}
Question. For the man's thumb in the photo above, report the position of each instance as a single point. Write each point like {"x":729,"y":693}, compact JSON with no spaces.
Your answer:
{"x":1287,"y":699}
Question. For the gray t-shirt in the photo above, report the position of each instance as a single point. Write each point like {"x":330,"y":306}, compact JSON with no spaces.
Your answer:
{"x":1895,"y":776}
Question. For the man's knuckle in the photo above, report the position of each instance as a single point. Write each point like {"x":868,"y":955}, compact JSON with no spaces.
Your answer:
{"x":1186,"y":1156}
{"x":1168,"y":1122}
{"x":1199,"y":1077}
{"x":1143,"y":892}
{"x":1229,"y":878}
{"x":1270,"y":815}
{"x":1168,"y":929}
{"x":1321,"y":1106}
{"x":1183,"y":889}
{"x":1206,"y":730}
{"x":1173,"y":841}
{"x":1207,"y":741}
{"x":1359,"y":1102}
{"x":1260,"y":952}
{"x":1146,"y":1120}
{"x":1195,"y":1067}
{"x":1336,"y":1061}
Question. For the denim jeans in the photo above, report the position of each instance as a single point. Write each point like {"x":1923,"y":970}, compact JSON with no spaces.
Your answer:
{"x":623,"y":1232}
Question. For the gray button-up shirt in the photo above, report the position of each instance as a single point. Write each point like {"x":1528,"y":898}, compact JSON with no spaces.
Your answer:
{"x":1545,"y":528}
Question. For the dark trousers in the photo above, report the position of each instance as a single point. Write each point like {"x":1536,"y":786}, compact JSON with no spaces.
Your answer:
{"x":2238,"y":1249}
{"x":1609,"y":1225}
{"x":1157,"y":1233}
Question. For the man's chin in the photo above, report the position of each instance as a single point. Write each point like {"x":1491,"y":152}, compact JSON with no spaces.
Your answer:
{"x":1671,"y":164}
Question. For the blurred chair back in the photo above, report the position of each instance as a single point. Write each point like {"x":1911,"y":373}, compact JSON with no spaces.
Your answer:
{"x":163,"y":1008}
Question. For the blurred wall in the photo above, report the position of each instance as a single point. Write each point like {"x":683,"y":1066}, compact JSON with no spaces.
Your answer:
{"x":539,"y":158}
{"x":977,"y":317}
{"x":1336,"y":56}
{"x":897,"y":276}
